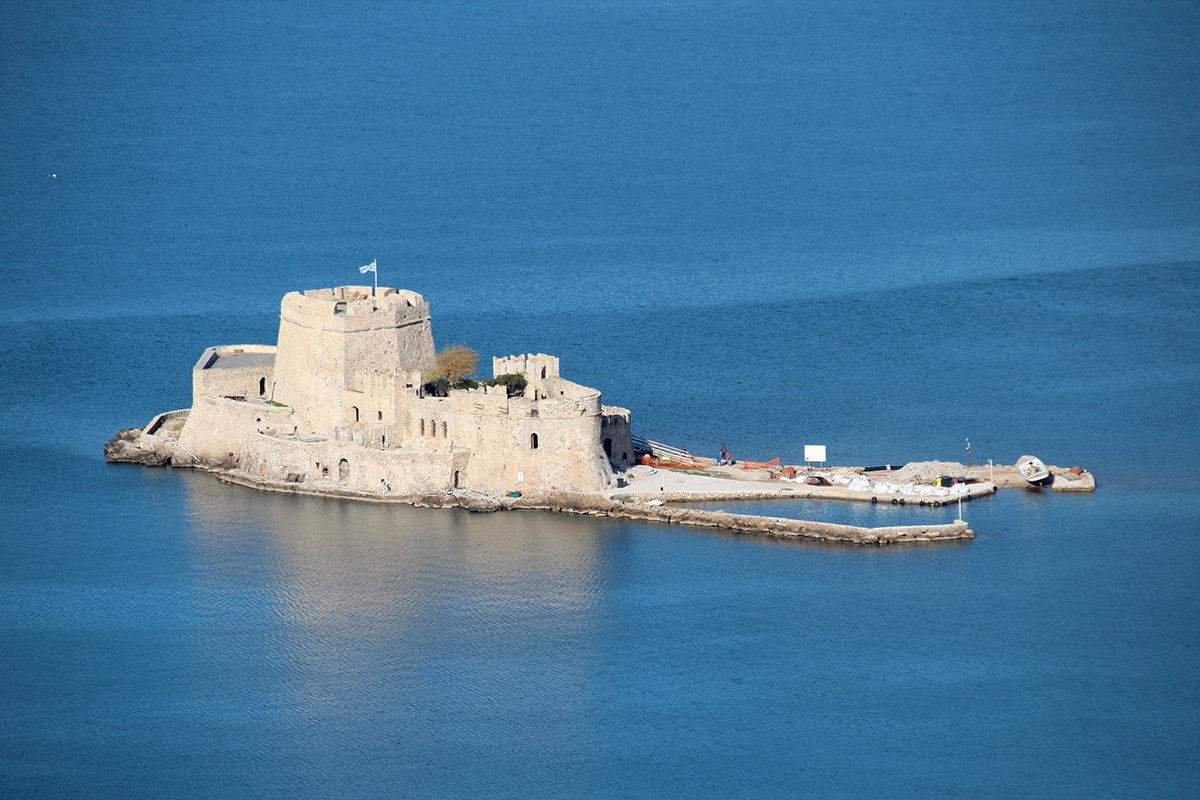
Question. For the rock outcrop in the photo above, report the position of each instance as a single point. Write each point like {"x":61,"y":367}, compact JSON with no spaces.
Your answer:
{"x":130,"y":446}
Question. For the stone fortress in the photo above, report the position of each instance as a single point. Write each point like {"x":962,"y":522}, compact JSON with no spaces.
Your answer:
{"x":339,"y":402}
{"x":338,"y":408}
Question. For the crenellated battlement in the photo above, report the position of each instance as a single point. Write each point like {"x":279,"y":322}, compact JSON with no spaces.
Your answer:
{"x":533,"y":367}
{"x":331,"y":339}
{"x":350,"y":309}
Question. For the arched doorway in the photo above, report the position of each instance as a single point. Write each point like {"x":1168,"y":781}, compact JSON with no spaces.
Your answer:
{"x":343,"y":470}
{"x":533,"y":441}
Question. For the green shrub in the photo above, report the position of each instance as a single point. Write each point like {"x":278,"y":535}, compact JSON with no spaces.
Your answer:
{"x":515,"y":384}
{"x":438,"y":387}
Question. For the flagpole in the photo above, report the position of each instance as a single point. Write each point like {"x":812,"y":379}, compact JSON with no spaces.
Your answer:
{"x":372,"y":267}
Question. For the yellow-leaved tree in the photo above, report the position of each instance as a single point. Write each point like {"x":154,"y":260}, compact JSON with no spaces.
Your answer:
{"x":456,"y":363}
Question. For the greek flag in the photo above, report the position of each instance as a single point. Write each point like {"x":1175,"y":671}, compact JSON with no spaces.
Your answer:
{"x":369,"y":268}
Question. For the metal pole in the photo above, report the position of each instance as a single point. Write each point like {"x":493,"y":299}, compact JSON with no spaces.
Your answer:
{"x":376,"y":273}
{"x":991,"y":472}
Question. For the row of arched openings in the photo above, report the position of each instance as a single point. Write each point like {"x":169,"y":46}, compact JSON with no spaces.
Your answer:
{"x":431,"y":429}
{"x":354,"y":413}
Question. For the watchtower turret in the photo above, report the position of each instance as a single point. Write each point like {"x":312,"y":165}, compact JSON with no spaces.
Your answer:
{"x":330,"y":338}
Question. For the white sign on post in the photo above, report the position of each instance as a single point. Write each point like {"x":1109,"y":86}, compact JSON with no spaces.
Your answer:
{"x":814,"y":452}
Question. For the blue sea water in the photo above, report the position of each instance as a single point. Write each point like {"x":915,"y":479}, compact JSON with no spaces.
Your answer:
{"x":881,"y":226}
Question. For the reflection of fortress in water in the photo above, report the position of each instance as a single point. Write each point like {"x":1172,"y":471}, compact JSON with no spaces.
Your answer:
{"x":339,"y":402}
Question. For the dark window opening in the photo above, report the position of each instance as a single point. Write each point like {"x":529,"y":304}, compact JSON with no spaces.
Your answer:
{"x":354,"y":409}
{"x":443,"y":430}
{"x":457,"y":479}
{"x":379,"y":415}
{"x":262,"y":386}
{"x":608,"y":447}
{"x":533,"y":441}
{"x":543,"y":373}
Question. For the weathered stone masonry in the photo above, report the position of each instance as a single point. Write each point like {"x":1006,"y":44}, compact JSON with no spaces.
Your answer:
{"x":339,"y":401}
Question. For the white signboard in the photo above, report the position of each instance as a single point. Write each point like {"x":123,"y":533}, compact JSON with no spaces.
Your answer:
{"x":814,"y":452}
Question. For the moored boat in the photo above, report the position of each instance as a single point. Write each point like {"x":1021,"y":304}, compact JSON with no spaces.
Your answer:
{"x":1033,"y":470}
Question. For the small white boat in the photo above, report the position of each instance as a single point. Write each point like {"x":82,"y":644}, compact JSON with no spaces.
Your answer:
{"x":1032,"y":469}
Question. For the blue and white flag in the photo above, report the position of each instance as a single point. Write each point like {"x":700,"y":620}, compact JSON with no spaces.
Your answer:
{"x":369,"y":268}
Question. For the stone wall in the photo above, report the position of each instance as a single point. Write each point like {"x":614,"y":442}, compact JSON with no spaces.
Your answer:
{"x":616,"y":437}
{"x":218,"y":372}
{"x":218,"y":430}
{"x":534,"y":367}
{"x":329,"y":339}
{"x":347,"y":370}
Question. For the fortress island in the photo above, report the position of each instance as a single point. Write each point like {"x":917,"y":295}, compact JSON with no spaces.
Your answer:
{"x":339,"y":407}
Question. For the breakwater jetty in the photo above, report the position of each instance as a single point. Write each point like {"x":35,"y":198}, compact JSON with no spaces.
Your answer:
{"x":649,"y":510}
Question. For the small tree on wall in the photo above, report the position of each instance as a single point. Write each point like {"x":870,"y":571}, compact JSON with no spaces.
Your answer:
{"x":456,"y":364}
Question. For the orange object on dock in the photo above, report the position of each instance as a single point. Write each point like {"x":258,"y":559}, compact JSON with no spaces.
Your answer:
{"x":774,"y":462}
{"x":672,"y":463}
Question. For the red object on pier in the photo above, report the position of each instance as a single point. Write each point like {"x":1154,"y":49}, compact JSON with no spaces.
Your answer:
{"x":672,"y":463}
{"x":774,"y":462}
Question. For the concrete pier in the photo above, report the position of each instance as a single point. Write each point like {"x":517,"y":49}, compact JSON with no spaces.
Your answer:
{"x":597,"y":505}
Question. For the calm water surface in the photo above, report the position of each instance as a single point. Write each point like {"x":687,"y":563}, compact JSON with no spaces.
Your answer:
{"x":884,"y":227}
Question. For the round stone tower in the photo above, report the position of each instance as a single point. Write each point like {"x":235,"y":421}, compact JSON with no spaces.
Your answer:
{"x":330,"y":338}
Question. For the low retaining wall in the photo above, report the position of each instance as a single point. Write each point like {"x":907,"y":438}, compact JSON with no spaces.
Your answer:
{"x":742,"y":523}
{"x":600,"y":506}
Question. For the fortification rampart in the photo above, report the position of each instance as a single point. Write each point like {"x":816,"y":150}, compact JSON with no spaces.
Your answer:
{"x":533,"y":366}
{"x":341,"y":398}
{"x":331,"y":339}
{"x":350,"y":309}
{"x":218,"y":429}
{"x":242,"y":370}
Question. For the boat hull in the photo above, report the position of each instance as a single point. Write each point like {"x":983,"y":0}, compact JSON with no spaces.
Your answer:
{"x":1033,"y":470}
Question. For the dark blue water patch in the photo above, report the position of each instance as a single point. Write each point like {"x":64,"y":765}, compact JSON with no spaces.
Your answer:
{"x":71,"y":384}
{"x":224,"y":156}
